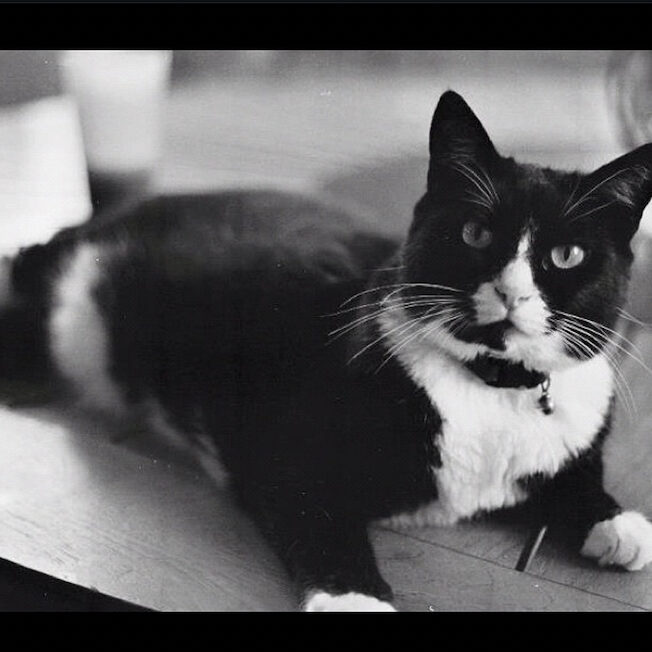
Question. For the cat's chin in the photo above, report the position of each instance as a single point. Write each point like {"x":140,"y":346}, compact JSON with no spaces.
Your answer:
{"x":540,"y":351}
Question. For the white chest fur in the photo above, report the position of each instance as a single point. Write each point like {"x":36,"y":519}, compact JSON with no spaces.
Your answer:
{"x":491,"y":437}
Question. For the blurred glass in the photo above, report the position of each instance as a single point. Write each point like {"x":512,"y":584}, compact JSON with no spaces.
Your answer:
{"x":120,"y":96}
{"x":630,"y":95}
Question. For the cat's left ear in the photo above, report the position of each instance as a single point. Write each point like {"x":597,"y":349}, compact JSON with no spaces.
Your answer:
{"x":625,"y":183}
{"x":456,"y":135}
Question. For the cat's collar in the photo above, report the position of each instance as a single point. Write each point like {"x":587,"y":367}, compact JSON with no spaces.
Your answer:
{"x":498,"y":372}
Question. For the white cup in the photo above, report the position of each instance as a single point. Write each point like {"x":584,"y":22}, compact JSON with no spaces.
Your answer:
{"x":120,"y":96}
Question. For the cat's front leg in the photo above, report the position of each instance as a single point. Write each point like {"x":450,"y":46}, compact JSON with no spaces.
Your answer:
{"x":576,"y":499}
{"x":330,"y":557}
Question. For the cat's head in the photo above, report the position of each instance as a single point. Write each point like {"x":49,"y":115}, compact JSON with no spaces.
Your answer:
{"x":516,"y":260}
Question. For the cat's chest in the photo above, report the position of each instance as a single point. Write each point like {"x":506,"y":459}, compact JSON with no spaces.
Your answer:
{"x":491,"y":438}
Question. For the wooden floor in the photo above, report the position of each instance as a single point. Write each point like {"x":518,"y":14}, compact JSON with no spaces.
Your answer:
{"x":118,"y":512}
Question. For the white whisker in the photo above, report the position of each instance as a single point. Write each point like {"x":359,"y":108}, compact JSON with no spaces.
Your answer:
{"x":604,"y":339}
{"x":387,"y":301}
{"x":570,"y":197}
{"x":589,"y":192}
{"x":593,"y":210}
{"x":423,"y":329}
{"x":478,"y":201}
{"x":382,"y":337}
{"x":490,"y":183}
{"x":589,"y":349}
{"x":589,"y":323}
{"x":365,"y":318}
{"x":400,"y":285}
{"x":486,"y":191}
{"x":631,"y":318}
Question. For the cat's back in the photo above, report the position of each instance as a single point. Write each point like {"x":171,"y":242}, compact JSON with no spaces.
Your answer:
{"x":160,"y":294}
{"x":268,"y":241}
{"x":252,"y":264}
{"x":245,"y":229}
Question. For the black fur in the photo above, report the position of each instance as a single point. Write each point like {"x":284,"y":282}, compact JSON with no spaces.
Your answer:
{"x":222,"y":307}
{"x":574,"y":500}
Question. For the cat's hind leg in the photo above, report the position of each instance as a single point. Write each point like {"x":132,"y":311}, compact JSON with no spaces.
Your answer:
{"x":330,"y":557}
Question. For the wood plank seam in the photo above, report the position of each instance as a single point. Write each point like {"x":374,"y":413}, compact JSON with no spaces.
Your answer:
{"x":528,"y":573}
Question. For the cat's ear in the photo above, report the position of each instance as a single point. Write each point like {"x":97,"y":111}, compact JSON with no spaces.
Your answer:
{"x":456,"y":134}
{"x":625,"y":184}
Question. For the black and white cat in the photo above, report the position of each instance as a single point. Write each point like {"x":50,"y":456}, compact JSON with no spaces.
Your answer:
{"x":340,"y":376}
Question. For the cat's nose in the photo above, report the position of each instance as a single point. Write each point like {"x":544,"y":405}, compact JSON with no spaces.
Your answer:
{"x":510,"y":299}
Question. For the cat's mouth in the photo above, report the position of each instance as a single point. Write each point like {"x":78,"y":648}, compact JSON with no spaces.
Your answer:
{"x":510,"y":326}
{"x":492,"y":335}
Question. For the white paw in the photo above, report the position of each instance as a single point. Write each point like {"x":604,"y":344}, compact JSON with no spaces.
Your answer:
{"x":625,"y":540}
{"x":322,"y":601}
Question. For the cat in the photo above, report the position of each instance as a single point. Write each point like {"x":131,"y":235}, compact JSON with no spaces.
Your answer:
{"x":339,"y":375}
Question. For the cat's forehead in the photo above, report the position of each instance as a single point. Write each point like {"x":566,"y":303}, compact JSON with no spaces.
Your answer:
{"x":532,"y":197}
{"x":534,"y":175}
{"x":534,"y":183}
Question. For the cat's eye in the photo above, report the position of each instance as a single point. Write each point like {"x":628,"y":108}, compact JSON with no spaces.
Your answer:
{"x":476,"y":235}
{"x":567,"y":256}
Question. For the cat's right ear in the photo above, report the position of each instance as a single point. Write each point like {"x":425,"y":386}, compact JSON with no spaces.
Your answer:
{"x":624,"y":183}
{"x":456,"y":135}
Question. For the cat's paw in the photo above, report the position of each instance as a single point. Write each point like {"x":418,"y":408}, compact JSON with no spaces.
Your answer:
{"x":625,"y":540}
{"x":322,"y":601}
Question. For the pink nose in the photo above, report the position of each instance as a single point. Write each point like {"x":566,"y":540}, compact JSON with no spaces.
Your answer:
{"x":509,"y":300}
